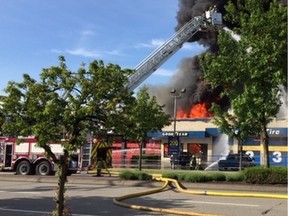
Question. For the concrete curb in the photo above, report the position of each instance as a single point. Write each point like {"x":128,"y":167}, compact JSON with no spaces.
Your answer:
{"x":114,"y":180}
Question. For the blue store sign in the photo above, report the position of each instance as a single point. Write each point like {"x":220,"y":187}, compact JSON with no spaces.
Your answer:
{"x":276,"y":158}
{"x":173,"y":142}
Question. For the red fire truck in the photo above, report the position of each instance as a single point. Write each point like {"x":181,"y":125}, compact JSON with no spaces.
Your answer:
{"x":28,"y":159}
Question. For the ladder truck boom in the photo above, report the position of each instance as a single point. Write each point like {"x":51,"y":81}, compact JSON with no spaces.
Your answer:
{"x":210,"y":20}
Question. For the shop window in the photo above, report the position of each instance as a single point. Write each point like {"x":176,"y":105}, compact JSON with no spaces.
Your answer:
{"x":166,"y":150}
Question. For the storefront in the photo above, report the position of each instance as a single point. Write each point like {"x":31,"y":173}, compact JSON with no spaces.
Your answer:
{"x":202,"y":139}
{"x":277,"y":147}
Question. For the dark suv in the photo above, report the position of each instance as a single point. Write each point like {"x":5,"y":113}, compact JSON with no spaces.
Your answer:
{"x":184,"y":158}
{"x":232,"y":162}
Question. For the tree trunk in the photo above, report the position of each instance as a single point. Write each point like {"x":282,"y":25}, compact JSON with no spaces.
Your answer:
{"x":123,"y":152}
{"x":265,"y":147}
{"x":140,"y":156}
{"x":240,"y":147}
{"x":60,"y":193}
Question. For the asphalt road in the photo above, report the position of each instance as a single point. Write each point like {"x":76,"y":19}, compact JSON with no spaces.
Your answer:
{"x":91,"y":196}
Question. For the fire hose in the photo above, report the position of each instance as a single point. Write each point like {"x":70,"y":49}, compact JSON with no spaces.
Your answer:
{"x":169,"y":182}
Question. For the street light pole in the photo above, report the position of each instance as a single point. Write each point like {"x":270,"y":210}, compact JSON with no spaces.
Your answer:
{"x":175,"y":138}
{"x":175,"y":96}
{"x":174,"y":116}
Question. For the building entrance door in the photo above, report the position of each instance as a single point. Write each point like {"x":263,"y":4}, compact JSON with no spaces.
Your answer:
{"x":199,"y":151}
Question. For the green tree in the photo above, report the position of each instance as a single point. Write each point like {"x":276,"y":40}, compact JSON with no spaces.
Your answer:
{"x":251,"y":70}
{"x":145,"y":116}
{"x":235,"y":124}
{"x":65,"y":102}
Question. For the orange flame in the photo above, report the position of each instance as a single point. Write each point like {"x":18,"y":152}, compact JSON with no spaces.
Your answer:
{"x":181,"y":114}
{"x":199,"y":110}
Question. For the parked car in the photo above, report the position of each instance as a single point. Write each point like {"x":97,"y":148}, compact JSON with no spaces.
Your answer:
{"x":183,"y":159}
{"x":232,"y":162}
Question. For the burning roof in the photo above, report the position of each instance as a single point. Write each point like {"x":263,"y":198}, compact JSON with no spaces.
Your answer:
{"x":197,"y":100}
{"x":199,"y":96}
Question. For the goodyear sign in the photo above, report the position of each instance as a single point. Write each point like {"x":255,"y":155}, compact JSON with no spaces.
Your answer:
{"x":179,"y":134}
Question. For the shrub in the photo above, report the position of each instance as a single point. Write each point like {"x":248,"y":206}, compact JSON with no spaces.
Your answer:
{"x":235,"y":177}
{"x":197,"y":177}
{"x":218,"y":176}
{"x":143,"y":176}
{"x":181,"y":176}
{"x":171,"y":175}
{"x":254,"y":175}
{"x":279,"y":175}
{"x":262,"y":175}
{"x":134,"y":175}
{"x":127,"y":175}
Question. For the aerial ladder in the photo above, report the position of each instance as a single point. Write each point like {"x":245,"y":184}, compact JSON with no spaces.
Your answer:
{"x":209,"y":21}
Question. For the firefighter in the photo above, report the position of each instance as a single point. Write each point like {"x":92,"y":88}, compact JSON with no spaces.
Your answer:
{"x":105,"y":166}
{"x":172,"y":161}
{"x":99,"y":167}
{"x":193,"y":163}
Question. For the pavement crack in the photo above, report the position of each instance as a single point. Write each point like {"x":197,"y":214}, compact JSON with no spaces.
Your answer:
{"x":270,"y":209}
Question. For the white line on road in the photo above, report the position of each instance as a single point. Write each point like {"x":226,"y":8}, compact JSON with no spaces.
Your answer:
{"x":21,"y":192}
{"x":26,"y":192}
{"x":220,"y":203}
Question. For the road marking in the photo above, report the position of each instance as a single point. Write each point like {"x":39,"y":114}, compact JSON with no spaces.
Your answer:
{"x":21,"y":192}
{"x":22,"y":210}
{"x":36,"y":212}
{"x":26,"y":192}
{"x":220,"y":203}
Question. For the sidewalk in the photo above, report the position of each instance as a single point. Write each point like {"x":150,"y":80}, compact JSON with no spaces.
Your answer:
{"x":115,"y":180}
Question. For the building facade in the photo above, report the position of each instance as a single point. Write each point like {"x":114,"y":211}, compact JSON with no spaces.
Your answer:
{"x":201,"y":138}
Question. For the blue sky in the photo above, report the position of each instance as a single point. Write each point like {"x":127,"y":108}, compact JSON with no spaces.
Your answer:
{"x":34,"y":33}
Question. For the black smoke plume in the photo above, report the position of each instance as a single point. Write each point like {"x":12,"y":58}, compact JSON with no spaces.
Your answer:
{"x":191,"y":8}
{"x":190,"y":75}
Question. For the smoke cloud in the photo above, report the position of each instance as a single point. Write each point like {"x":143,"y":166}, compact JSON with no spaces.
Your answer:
{"x":191,"y":8}
{"x":189,"y":75}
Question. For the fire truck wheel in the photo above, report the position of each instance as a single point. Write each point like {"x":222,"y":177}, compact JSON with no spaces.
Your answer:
{"x":43,"y":168}
{"x":24,"y":168}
